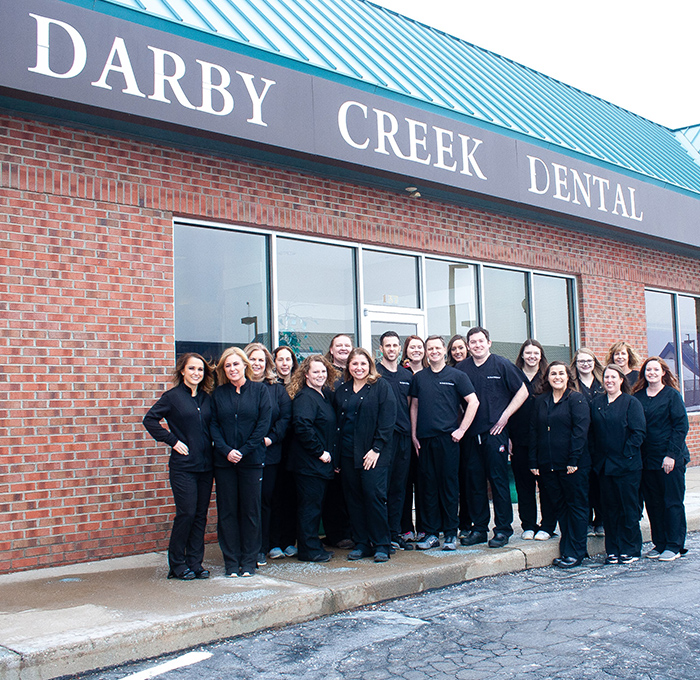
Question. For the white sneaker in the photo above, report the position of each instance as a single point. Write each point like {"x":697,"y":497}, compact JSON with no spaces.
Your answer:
{"x":542,"y":535}
{"x":668,"y":556}
{"x":653,"y":554}
{"x":527,"y":535}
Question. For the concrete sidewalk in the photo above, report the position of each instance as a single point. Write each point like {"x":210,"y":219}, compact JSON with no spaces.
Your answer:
{"x":66,"y":620}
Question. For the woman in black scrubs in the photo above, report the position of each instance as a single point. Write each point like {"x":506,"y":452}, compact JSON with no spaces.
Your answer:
{"x":366,"y":415}
{"x":283,"y":524}
{"x":559,"y":458}
{"x":263,"y":366}
{"x":589,"y":372}
{"x":241,"y":421}
{"x":618,"y":427}
{"x":312,"y":450}
{"x":187,"y":410}
{"x":623,"y":355}
{"x":532,"y":362}
{"x":665,"y":456}
{"x":456,"y":350}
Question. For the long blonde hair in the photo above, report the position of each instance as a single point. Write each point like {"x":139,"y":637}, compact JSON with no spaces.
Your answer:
{"x":221,"y":373}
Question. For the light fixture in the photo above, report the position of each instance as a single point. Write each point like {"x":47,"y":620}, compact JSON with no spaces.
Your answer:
{"x":413,"y":192}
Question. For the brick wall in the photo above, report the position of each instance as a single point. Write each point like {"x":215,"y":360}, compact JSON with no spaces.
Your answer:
{"x":86,"y":292}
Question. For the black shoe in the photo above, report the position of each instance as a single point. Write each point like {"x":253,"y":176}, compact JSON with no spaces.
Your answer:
{"x":358,"y":554}
{"x":473,"y":537}
{"x":612,"y":559}
{"x":569,"y":562}
{"x":498,"y":541}
{"x":345,"y":544}
{"x":556,"y":562}
{"x":381,"y":557}
{"x":402,"y":543}
{"x":321,"y":557}
{"x":201,"y":573}
{"x":186,"y":575}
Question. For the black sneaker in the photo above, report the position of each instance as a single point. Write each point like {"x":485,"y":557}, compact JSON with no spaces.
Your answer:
{"x":498,"y":541}
{"x":402,"y":544}
{"x":612,"y":559}
{"x":473,"y":537}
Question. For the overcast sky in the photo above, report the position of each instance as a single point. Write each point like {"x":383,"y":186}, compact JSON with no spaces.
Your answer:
{"x":638,"y":54}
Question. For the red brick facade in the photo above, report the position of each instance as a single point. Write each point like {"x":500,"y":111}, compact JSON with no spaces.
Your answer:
{"x":86,"y":294}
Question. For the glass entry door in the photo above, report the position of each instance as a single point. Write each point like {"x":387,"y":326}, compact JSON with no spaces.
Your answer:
{"x":376,"y":323}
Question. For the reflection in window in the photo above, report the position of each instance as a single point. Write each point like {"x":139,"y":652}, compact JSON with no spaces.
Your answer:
{"x":660,"y":327}
{"x":316,"y":294}
{"x":506,"y":310}
{"x":553,"y":327}
{"x":221,"y":292}
{"x":390,"y":279}
{"x":451,"y":297}
{"x":402,"y":329}
{"x":689,"y":319}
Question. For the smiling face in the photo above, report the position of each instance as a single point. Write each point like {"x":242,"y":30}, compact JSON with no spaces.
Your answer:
{"x":558,"y":378}
{"x":532,"y":356}
{"x":415,"y":351}
{"x":257,"y":363}
{"x":234,"y":368}
{"x":391,"y":348}
{"x":612,"y":381}
{"x":193,"y":373}
{"x":584,"y":364}
{"x":479,"y":346}
{"x":339,"y":350}
{"x":458,"y":351}
{"x":317,"y":375}
{"x":436,"y":351}
{"x":283,"y":363}
{"x":653,"y":373}
{"x":358,"y":367}
{"x":621,"y":358}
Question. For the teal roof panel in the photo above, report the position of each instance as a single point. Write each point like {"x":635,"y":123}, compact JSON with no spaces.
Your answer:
{"x":368,"y":43}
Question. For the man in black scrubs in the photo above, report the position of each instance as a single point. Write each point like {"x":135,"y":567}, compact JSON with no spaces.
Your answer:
{"x":438,"y":396}
{"x":400,"y":380}
{"x":501,"y":391}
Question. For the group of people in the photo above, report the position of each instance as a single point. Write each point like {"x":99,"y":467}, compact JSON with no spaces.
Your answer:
{"x":377,"y":457}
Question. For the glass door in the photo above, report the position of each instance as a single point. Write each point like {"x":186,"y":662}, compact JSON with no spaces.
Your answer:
{"x":374,"y":323}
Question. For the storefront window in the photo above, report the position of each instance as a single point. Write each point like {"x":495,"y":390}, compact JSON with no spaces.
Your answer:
{"x":689,"y":320}
{"x":389,"y":279}
{"x":553,"y":319}
{"x":660,"y":327}
{"x":221,"y":290}
{"x":451,"y":297}
{"x":506,"y":310}
{"x":316,"y":294}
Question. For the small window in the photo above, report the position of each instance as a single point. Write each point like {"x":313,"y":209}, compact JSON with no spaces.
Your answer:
{"x":552,"y":297}
{"x":689,"y":319}
{"x":316,"y":294}
{"x":660,"y":327}
{"x":451,"y":297}
{"x":506,"y":310}
{"x":221,"y":290}
{"x":390,"y":280}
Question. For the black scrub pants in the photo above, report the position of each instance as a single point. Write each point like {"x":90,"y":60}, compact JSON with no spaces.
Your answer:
{"x":365,"y":494}
{"x":568,"y":494}
{"x":398,"y":479}
{"x":487,"y":461}
{"x":438,"y":469}
{"x":412,"y":494}
{"x":269,"y":484}
{"x":191,"y":493}
{"x":465,"y":517}
{"x":283,"y":524}
{"x":311,"y":491}
{"x":526,"y":488}
{"x":620,"y":497}
{"x":238,"y":493}
{"x":663,"y":496}
{"x":336,"y":522}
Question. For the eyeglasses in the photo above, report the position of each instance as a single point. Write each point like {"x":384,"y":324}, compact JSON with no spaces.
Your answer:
{"x":584,"y":361}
